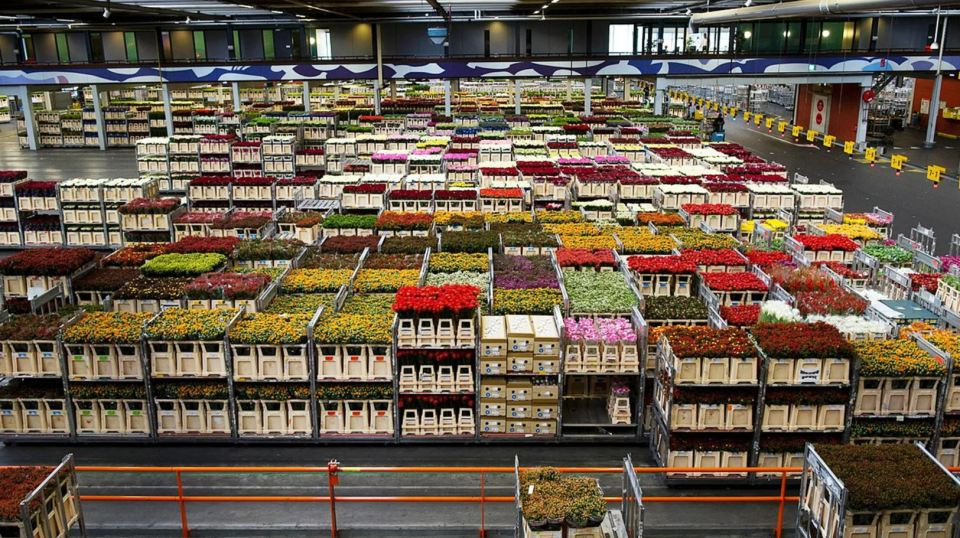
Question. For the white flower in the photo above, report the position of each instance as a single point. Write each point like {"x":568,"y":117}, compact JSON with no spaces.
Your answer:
{"x":778,"y":312}
{"x":852,"y":325}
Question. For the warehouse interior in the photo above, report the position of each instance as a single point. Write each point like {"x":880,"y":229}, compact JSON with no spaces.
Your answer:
{"x":588,"y":269}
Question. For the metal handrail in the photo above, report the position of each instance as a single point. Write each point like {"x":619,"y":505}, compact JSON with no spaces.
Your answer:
{"x":333,"y":471}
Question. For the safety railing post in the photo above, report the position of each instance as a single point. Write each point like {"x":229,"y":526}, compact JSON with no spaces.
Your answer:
{"x":332,"y":480}
{"x":483,"y":530}
{"x":783,"y":500}
{"x":184,"y":527}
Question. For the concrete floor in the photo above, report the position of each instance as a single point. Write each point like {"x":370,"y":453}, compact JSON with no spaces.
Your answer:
{"x":910,"y":197}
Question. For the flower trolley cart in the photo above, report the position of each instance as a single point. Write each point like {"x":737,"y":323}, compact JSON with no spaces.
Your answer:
{"x":889,"y":491}
{"x":551,"y":504}
{"x":41,"y":502}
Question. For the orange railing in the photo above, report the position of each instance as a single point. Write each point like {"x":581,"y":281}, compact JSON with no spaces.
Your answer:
{"x":333,"y":471}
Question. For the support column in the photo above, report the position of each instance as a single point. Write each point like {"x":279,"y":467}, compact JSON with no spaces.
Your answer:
{"x":306,"y":96}
{"x":446,"y":97}
{"x":862,"y":115}
{"x":587,"y":90}
{"x":930,"y":140}
{"x":517,"y":92}
{"x":393,"y":89}
{"x":167,"y":108}
{"x":23,"y":92}
{"x":569,"y":89}
{"x":660,"y":92}
{"x":378,"y":84}
{"x":626,"y":88}
{"x":934,"y":112}
{"x":98,"y":115}
{"x":236,"y":97}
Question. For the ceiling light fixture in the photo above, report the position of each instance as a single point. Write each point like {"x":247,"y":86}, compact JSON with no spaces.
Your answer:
{"x":689,"y":12}
{"x":537,"y":12}
{"x":825,"y":33}
{"x":748,"y":3}
{"x":106,"y":13}
{"x":554,"y":1}
{"x":187,"y":19}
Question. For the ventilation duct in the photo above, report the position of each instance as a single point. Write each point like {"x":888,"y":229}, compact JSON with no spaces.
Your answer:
{"x":810,"y":8}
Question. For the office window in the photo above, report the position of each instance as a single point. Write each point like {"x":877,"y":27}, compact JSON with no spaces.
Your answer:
{"x":268,"y":51}
{"x":322,"y":41}
{"x":723,"y":41}
{"x":486,"y":43}
{"x":621,"y":39}
{"x":199,"y":46}
{"x":63,"y":50}
{"x":96,"y":47}
{"x":669,"y":44}
{"x":130,"y":44}
{"x":529,"y":42}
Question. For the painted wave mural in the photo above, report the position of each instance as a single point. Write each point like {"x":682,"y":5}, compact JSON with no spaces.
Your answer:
{"x":681,"y":67}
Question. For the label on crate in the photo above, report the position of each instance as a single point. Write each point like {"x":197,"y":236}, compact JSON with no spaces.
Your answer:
{"x":809,"y":376}
{"x":111,"y":413}
{"x":135,"y":413}
{"x":47,"y":354}
{"x":6,"y":412}
{"x":56,"y":413}
{"x":103,"y":358}
{"x":331,"y":413}
{"x":86,"y":412}
{"x":34,"y":412}
{"x":78,"y":357}
{"x":355,"y":413}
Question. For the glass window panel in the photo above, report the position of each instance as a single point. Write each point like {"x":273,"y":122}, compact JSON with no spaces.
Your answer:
{"x":621,"y":39}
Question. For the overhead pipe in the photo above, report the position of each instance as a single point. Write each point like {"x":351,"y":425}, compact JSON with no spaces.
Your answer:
{"x":809,"y":8}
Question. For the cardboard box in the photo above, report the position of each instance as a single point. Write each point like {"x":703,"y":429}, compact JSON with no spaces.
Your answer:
{"x":519,"y":390}
{"x":515,"y":411}
{"x":517,"y":426}
{"x":520,"y":363}
{"x":493,"y":388}
{"x":519,"y":334}
{"x":493,"y":366}
{"x":492,"y":425}
{"x":493,"y":408}
{"x":546,"y":336}
{"x":493,"y":337}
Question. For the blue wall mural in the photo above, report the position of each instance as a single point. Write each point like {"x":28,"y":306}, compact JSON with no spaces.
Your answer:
{"x":832,"y":65}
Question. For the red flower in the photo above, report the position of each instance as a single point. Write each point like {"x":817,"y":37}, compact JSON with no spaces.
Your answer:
{"x":192,"y":244}
{"x":741,"y":315}
{"x":671,"y":153}
{"x":606,"y":174}
{"x":449,"y":300}
{"x":708,"y":342}
{"x":725,"y":256}
{"x":211,"y":181}
{"x":661,"y":264}
{"x":253,"y":181}
{"x":499,"y":171}
{"x":709,"y":209}
{"x":46,"y":261}
{"x":584,"y":257}
{"x":802,"y":340}
{"x":678,"y":180}
{"x":765,"y":258}
{"x":733,"y":282}
{"x":826,"y":242}
{"x":411,"y":194}
{"x":515,"y":192}
{"x":725,"y":186}
{"x":927,"y":281}
{"x":366,"y":188}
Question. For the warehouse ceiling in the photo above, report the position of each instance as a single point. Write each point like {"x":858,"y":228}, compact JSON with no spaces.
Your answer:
{"x":240,"y":11}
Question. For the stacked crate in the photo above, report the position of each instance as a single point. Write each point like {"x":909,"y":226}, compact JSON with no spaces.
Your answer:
{"x":520,"y":368}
